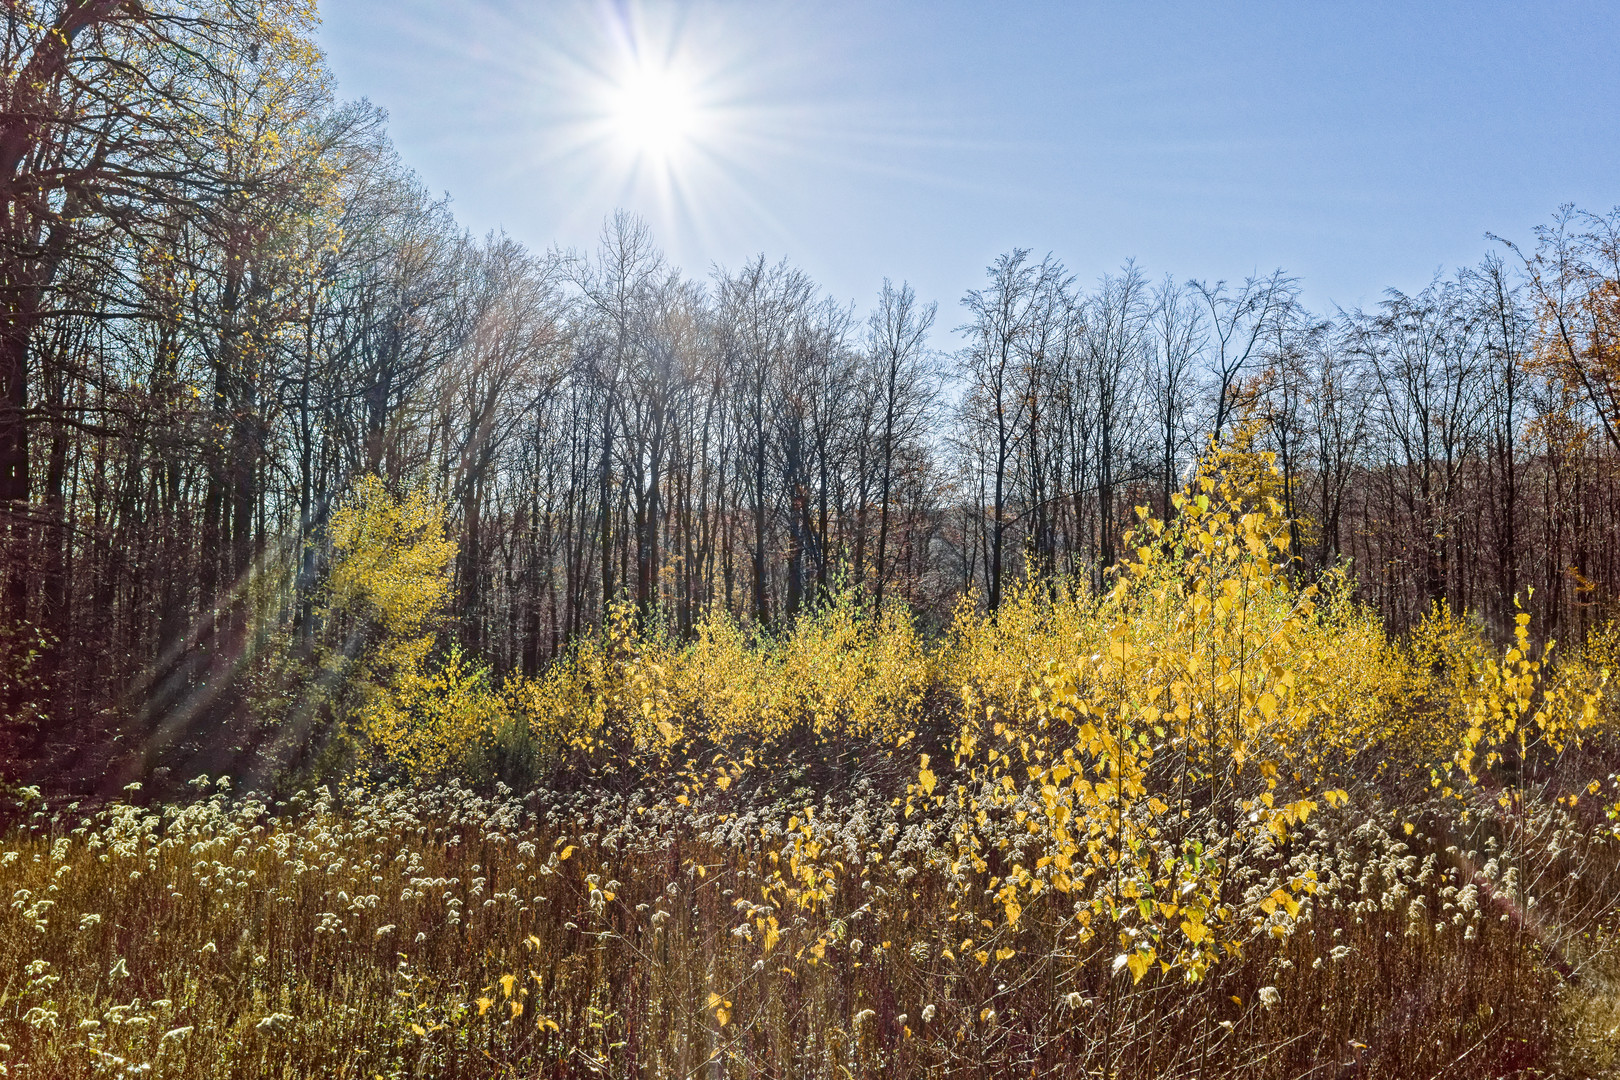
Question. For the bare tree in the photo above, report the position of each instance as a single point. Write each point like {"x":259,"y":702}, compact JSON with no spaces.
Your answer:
{"x":1423,"y":357}
{"x":1002,"y":316}
{"x":1174,"y":341}
{"x":1116,"y":326}
{"x":1239,"y":320}
{"x":904,"y":390}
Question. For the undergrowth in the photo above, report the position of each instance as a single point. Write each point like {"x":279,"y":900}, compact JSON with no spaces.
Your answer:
{"x":1212,"y":821}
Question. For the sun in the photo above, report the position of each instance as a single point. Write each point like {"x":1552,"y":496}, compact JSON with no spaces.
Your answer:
{"x":655,"y":111}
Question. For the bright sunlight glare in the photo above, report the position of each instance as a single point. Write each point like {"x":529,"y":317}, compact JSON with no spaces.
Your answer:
{"x":655,"y":111}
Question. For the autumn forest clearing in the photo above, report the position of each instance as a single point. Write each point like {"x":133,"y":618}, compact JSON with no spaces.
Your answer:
{"x":420,"y":656}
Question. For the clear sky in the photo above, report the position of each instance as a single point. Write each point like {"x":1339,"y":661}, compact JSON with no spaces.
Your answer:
{"x":1356,"y":145}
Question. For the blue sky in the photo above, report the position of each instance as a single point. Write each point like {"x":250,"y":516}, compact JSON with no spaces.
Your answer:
{"x":1356,"y":145}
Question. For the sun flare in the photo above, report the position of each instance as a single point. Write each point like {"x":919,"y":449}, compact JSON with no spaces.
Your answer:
{"x":655,"y":111}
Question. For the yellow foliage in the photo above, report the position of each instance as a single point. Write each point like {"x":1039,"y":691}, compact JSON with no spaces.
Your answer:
{"x":391,"y":569}
{"x":839,"y":672}
{"x":429,"y":715}
{"x":391,"y":579}
{"x":1192,"y":683}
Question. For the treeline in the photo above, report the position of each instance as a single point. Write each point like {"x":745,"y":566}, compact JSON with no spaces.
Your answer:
{"x":223,"y":298}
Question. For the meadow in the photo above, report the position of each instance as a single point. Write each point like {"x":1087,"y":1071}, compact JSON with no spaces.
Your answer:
{"x":1210,"y":820}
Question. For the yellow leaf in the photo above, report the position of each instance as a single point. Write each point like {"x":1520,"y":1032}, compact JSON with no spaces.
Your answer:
{"x":1281,"y":898}
{"x":721,"y":1007}
{"x":483,"y":1005}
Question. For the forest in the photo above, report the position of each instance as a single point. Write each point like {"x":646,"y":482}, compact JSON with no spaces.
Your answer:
{"x":1134,"y":676}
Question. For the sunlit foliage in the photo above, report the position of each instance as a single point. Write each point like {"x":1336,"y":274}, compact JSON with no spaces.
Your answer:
{"x":389,"y":584}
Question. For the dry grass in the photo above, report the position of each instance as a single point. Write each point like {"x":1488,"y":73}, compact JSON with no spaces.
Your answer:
{"x":369,"y":934}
